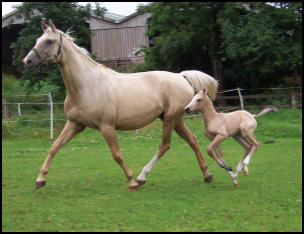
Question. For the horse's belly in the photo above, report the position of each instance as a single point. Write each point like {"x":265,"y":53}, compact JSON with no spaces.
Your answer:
{"x":137,"y":120}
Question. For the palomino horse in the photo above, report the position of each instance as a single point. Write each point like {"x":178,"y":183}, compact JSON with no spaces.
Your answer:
{"x":219,"y":126}
{"x":101,"y":98}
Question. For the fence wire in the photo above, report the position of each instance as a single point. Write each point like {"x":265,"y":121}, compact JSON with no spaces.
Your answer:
{"x":57,"y":114}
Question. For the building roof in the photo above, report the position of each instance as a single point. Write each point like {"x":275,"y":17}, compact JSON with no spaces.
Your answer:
{"x":113,"y":16}
{"x":10,"y":18}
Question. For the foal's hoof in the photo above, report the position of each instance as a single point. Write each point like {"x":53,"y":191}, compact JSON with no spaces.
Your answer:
{"x":39,"y":184}
{"x":133,"y":188}
{"x":246,"y":173}
{"x":140,"y":182}
{"x":208,"y":179}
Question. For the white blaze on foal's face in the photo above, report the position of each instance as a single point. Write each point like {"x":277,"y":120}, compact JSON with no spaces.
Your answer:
{"x":196,"y":102}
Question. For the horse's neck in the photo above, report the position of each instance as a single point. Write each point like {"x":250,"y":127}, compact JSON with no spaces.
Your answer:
{"x":208,"y":110}
{"x":77,"y":71}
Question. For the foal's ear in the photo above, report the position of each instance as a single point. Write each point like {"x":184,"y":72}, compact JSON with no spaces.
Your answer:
{"x":44,"y":25}
{"x":52,"y":26}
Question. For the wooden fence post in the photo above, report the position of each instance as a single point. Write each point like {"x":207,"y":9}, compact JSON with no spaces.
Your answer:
{"x":241,"y":98}
{"x":19,"y":109}
{"x":294,"y":101}
{"x":4,"y":109}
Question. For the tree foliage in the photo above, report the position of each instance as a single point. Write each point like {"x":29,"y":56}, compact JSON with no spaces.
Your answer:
{"x":259,"y":44}
{"x":178,"y":40}
{"x":263,"y":46}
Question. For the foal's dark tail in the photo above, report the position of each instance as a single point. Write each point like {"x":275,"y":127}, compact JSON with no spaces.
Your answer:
{"x":265,"y":110}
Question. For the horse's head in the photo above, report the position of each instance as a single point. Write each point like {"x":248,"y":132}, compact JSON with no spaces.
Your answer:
{"x":48,"y":47}
{"x":197,"y":101}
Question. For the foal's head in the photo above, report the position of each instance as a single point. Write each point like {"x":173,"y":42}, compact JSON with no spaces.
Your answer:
{"x":197,"y":101}
{"x":48,"y":47}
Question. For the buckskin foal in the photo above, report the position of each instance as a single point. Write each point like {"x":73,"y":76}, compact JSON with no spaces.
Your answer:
{"x":219,"y":126}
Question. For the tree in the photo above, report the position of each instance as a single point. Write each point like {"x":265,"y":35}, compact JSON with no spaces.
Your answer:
{"x":185,"y":35}
{"x":65,"y":15}
{"x":261,"y":43}
{"x":241,"y":44}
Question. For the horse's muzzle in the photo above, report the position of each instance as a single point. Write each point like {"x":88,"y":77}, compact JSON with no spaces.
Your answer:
{"x":30,"y":61}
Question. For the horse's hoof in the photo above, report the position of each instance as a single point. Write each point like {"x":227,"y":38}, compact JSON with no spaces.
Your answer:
{"x":246,"y":173}
{"x":140,"y":182}
{"x":133,"y":188}
{"x":208,"y":179}
{"x":235,"y":185}
{"x":39,"y":184}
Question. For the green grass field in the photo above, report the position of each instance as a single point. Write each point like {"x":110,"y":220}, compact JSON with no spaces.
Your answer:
{"x":87,"y":191}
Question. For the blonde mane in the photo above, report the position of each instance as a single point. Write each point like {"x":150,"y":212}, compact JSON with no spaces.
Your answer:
{"x":199,"y":80}
{"x":81,"y":50}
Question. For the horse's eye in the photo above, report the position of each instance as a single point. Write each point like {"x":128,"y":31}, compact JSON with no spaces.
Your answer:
{"x":49,"y":42}
{"x":198,"y":100}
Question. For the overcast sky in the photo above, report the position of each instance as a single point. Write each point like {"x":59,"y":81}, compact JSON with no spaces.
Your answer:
{"x":121,"y":8}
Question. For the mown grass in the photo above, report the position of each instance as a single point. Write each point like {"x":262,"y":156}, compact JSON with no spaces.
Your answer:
{"x":87,"y":191}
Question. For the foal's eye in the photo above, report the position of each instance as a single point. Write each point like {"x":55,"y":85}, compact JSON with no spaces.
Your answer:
{"x":49,"y":42}
{"x":198,"y":100}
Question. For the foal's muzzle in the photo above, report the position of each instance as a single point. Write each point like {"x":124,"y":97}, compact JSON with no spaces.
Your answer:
{"x":187,"y":109}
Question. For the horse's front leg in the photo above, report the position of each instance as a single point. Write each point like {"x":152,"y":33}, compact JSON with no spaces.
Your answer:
{"x":168,"y":126}
{"x":191,"y":139}
{"x":215,"y":142}
{"x":109,"y":134}
{"x":69,"y":131}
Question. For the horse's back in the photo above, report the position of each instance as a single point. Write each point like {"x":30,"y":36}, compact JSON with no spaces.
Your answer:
{"x":142,"y":97}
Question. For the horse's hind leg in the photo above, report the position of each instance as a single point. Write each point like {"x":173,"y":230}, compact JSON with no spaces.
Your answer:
{"x":247,"y":147}
{"x":168,"y":126}
{"x":110,"y":136}
{"x":255,"y":145}
{"x":69,"y":131}
{"x":191,"y":139}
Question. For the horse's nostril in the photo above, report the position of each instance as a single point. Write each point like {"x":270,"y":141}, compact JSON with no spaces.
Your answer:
{"x":187,"y":110}
{"x":29,"y":62}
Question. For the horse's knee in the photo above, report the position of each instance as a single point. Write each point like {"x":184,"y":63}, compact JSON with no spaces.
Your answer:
{"x":209,"y":151}
{"x":53,"y":150}
{"x":255,"y":145}
{"x":247,"y":151}
{"x":117,"y":158}
{"x":164,"y":148}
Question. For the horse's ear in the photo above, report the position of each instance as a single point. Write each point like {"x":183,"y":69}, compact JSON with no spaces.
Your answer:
{"x":52,"y":26}
{"x":44,"y":25}
{"x":204,"y":91}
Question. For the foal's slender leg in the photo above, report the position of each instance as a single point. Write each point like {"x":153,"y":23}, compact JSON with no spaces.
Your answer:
{"x":255,"y":145}
{"x":164,"y":146}
{"x":247,"y":146}
{"x":110,"y":136}
{"x":219,"y":154}
{"x":191,"y":139}
{"x":215,"y":142}
{"x":69,"y":131}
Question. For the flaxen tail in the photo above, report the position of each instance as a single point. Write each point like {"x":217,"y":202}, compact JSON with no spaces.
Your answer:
{"x":199,"y":80}
{"x":265,"y":110}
